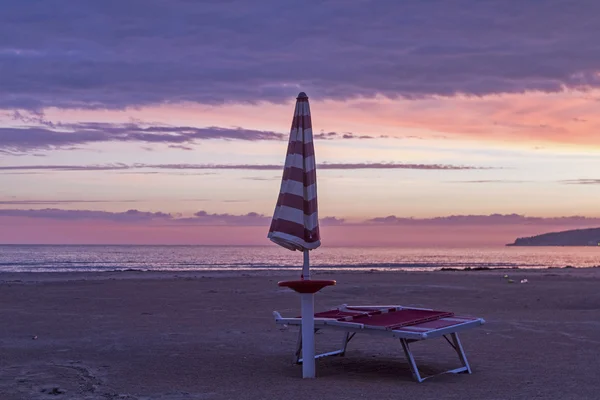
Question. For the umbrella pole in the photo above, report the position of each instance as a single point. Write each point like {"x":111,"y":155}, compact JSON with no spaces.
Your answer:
{"x":308,"y":325}
{"x":306,"y":266}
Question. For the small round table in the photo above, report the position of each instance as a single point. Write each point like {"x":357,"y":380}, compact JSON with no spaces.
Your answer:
{"x":307,"y":285}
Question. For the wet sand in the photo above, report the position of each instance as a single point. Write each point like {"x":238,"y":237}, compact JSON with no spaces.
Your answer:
{"x":171,"y":336}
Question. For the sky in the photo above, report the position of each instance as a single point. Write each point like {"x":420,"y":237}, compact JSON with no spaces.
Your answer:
{"x":436,"y":123}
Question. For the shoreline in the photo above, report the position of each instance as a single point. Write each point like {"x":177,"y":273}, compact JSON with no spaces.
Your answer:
{"x":130,"y":274}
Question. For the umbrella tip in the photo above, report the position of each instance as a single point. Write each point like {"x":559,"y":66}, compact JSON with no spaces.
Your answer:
{"x":302,"y":95}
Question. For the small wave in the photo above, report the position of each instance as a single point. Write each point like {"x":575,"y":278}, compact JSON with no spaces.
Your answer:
{"x":206,"y":258}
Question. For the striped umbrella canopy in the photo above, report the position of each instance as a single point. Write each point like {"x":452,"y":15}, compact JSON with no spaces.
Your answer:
{"x":295,"y":223}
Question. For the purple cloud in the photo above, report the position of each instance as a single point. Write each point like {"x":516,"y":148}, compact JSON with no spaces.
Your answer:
{"x":350,"y":135}
{"x":14,"y":140}
{"x":180,"y":147}
{"x":346,"y":135}
{"x":104,"y":167}
{"x":17,"y":154}
{"x":581,"y":181}
{"x":257,"y":219}
{"x":96,"y":54}
{"x":54,"y":213}
{"x":257,"y":167}
{"x":492,"y":219}
{"x":56,"y":202}
{"x":47,"y":135}
{"x":333,"y":221}
{"x":249,"y":219}
{"x":493,"y":181}
{"x":396,"y":166}
{"x":326,"y":135}
{"x":135,"y":216}
{"x":260,"y":178}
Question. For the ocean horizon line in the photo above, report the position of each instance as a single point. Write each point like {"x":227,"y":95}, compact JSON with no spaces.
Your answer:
{"x":466,"y":246}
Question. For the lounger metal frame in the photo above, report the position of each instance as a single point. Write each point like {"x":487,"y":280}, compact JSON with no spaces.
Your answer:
{"x":406,"y":335}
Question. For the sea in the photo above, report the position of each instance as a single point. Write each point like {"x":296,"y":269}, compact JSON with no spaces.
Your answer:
{"x":98,"y":258}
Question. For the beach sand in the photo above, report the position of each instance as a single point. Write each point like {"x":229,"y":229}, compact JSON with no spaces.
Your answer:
{"x":140,"y":335}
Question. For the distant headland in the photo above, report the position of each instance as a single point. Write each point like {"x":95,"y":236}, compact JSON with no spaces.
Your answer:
{"x":575,"y":237}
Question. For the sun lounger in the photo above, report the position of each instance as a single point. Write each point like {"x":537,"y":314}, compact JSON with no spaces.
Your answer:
{"x":404,"y":323}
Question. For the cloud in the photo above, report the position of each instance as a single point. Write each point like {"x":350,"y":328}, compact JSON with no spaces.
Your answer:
{"x":136,"y":216}
{"x":326,"y":135}
{"x":256,"y":167}
{"x":180,"y":147}
{"x":47,"y":135}
{"x":54,"y":213}
{"x":96,"y":55}
{"x":581,"y":181}
{"x":103,"y":167}
{"x":205,"y":218}
{"x":260,"y":178}
{"x":397,"y":166}
{"x":166,"y":173}
{"x":249,"y":219}
{"x":349,"y":135}
{"x":55,"y":202}
{"x":17,"y":154}
{"x":346,"y":135}
{"x":24,"y":139}
{"x":492,"y":181}
{"x":332,"y":221}
{"x":492,"y":219}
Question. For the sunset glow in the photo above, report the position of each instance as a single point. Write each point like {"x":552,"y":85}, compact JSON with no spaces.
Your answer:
{"x":412,"y":131}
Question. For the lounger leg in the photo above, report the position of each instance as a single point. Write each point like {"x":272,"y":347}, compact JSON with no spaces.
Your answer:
{"x":461,"y":353}
{"x":411,"y":360}
{"x":347,"y":338}
{"x":455,"y":343}
{"x":298,"y":352}
{"x":340,"y":352}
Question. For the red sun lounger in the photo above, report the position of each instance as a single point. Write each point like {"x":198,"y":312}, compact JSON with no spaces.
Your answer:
{"x":405,"y":323}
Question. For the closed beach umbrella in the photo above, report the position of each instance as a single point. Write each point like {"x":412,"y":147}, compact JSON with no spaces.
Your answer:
{"x":295,"y":224}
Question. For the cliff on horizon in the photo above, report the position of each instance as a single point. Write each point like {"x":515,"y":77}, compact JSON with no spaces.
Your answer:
{"x":575,"y":237}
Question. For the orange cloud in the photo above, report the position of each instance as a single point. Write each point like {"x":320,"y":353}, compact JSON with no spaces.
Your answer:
{"x":534,"y":118}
